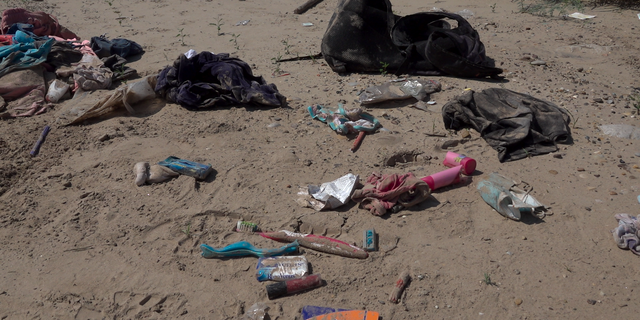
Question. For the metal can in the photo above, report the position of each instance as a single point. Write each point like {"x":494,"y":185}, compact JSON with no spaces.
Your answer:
{"x":282,"y":268}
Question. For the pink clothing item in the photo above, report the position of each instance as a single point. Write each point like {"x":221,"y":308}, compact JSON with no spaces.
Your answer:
{"x":43,"y":23}
{"x":382,"y":192}
{"x":85,"y":44}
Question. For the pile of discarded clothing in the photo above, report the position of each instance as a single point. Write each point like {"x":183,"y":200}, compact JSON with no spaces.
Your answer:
{"x":35,"y":49}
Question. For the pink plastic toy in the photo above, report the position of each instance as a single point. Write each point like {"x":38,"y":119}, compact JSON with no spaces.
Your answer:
{"x":453,"y":160}
{"x":443,"y":178}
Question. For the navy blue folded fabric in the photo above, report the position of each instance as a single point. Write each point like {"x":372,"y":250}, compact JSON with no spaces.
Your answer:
{"x":104,"y":47}
{"x":209,"y":80}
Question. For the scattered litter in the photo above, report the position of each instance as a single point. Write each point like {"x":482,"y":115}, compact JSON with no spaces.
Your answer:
{"x":581,"y":16}
{"x":36,"y":147}
{"x":503,"y":195}
{"x":158,"y":174}
{"x":418,"y":89}
{"x":257,"y":311}
{"x":246,"y":226}
{"x":307,"y":24}
{"x":93,"y":104}
{"x":288,"y":287}
{"x":349,"y":315}
{"x":244,"y":248}
{"x":274,"y":125}
{"x":328,"y":195}
{"x":391,"y":192}
{"x":282,"y":268}
{"x":188,"y":168}
{"x":431,"y":102}
{"x":453,"y":159}
{"x":370,"y":241}
{"x":444,"y":178}
{"x":318,"y":243}
{"x":309,"y":312}
{"x":57,"y":90}
{"x":242,"y":23}
{"x":141,"y":170}
{"x":401,"y":283}
{"x":627,"y":233}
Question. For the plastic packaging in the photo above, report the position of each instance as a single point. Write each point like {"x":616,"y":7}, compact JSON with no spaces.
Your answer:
{"x":57,"y":89}
{"x":453,"y":159}
{"x":419,"y":89}
{"x":282,"y":268}
{"x":288,"y":287}
{"x":349,"y":315}
{"x":258,"y":311}
{"x":370,"y":241}
{"x":443,"y":178}
{"x":186,"y":167}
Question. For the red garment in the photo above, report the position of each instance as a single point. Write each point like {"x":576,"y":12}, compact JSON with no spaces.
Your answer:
{"x":6,"y":40}
{"x":43,"y":23}
{"x":382,"y":192}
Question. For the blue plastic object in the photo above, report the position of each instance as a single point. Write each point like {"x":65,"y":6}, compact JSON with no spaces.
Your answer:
{"x":186,"y":167}
{"x":244,"y":248}
{"x":309,"y":312}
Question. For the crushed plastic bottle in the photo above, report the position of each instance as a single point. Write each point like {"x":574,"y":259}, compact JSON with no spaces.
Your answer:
{"x":419,"y":89}
{"x":57,"y":90}
{"x":258,"y":311}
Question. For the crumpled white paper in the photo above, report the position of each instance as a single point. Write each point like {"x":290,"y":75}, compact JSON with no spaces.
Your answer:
{"x":328,"y":195}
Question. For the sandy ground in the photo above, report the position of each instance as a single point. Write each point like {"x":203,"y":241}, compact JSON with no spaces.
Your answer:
{"x":79,"y":240}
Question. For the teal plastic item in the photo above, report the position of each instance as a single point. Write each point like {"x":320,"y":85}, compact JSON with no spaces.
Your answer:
{"x":244,"y":248}
{"x":341,"y":126}
{"x":186,"y":167}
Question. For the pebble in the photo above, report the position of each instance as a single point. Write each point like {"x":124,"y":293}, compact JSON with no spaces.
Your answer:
{"x":274,"y":125}
{"x":553,"y":172}
{"x":598,"y":100}
{"x":450,"y":144}
{"x":613,"y":193}
{"x":524,"y":238}
{"x":67,"y":184}
{"x":103,"y":137}
{"x":538,"y":63}
{"x":580,"y":169}
{"x":591,"y":302}
{"x":557,"y":156}
{"x":518,"y":302}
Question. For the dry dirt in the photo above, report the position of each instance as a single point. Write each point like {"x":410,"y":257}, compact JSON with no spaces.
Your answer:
{"x":79,"y":240}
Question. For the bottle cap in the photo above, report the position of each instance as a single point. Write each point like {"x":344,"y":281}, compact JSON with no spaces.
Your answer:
{"x":468,"y":165}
